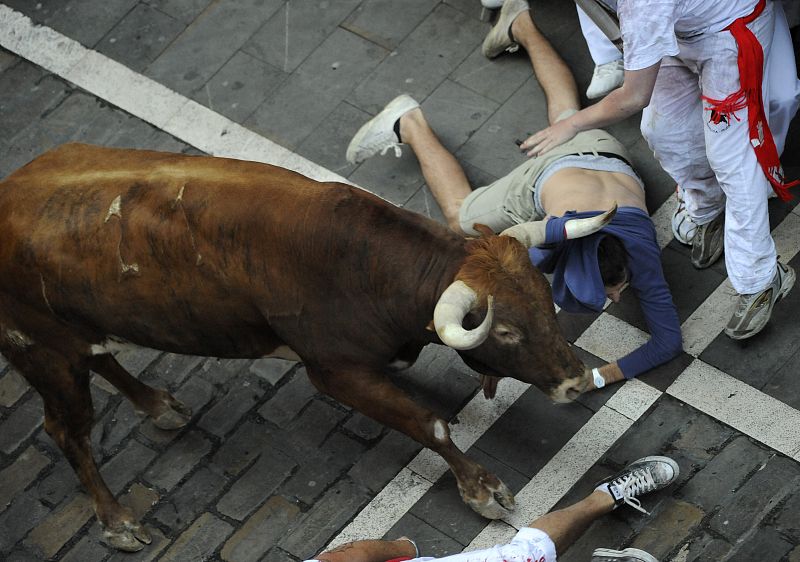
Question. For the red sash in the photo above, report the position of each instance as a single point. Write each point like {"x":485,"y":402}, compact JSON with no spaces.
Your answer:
{"x":399,"y":559}
{"x":751,"y":74}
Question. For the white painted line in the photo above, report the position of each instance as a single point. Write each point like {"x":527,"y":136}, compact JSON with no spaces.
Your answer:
{"x":741,"y":406}
{"x":708,"y":320}
{"x":144,"y":98}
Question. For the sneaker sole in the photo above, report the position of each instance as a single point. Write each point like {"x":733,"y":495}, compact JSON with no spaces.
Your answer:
{"x":789,"y":280}
{"x":401,"y":104}
{"x":627,"y":553}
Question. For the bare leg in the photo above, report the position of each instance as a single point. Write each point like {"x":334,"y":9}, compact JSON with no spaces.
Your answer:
{"x":551,"y":71}
{"x":442,"y":172}
{"x":566,"y":525}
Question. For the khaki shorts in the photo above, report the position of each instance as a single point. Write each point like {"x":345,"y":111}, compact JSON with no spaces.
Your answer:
{"x":510,"y":199}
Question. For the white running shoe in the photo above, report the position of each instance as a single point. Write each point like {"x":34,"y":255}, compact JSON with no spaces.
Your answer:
{"x":377,"y":134}
{"x":498,"y":40}
{"x":605,"y":78}
{"x":683,"y":227}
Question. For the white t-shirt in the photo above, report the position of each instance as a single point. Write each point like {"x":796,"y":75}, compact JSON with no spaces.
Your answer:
{"x":651,"y":29}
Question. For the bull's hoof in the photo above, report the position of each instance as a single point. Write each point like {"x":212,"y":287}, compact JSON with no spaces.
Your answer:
{"x":497,"y":503}
{"x":176,"y":414}
{"x":131,"y":538}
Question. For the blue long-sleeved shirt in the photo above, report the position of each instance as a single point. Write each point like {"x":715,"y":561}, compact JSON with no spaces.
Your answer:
{"x":578,"y":287}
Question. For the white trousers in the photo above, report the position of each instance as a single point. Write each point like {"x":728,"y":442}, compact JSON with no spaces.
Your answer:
{"x":714,"y":163}
{"x":784,"y":87}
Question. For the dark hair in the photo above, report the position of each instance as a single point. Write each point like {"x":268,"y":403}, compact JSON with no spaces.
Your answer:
{"x":612,"y":259}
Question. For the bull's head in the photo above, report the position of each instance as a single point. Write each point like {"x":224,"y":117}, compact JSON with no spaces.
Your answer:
{"x":507,"y":306}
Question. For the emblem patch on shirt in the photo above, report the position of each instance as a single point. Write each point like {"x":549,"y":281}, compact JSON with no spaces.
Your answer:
{"x":718,"y":122}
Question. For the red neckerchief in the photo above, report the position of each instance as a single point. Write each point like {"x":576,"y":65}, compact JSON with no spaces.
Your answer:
{"x":751,"y":70}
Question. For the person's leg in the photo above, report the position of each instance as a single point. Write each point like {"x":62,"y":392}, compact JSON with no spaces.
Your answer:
{"x":784,"y":87}
{"x":566,"y":525}
{"x":551,"y":71}
{"x":443,"y":174}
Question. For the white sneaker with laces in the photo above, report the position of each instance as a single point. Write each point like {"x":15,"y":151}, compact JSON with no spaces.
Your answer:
{"x":605,"y":78}
{"x":683,"y":227}
{"x":377,"y":134}
{"x":640,"y":477}
{"x":492,"y":4}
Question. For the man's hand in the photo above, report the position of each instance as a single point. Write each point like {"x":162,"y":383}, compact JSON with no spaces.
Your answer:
{"x":549,"y":138}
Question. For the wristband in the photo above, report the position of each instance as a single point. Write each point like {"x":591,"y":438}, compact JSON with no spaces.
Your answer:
{"x":599,"y":381}
{"x":416,"y":549}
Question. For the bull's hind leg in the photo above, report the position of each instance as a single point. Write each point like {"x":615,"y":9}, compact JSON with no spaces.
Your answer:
{"x":63,"y":383}
{"x":166,"y":411}
{"x":374,"y":395}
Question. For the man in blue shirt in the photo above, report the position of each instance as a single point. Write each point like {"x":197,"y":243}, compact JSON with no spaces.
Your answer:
{"x":583,"y":177}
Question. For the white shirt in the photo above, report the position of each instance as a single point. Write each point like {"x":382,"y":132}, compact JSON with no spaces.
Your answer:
{"x":651,"y":29}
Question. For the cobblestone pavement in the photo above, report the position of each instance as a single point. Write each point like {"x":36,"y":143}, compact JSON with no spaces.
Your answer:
{"x":271,"y":470}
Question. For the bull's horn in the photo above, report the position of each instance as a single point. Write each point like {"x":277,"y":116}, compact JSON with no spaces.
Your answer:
{"x":533,"y":233}
{"x":454,"y":304}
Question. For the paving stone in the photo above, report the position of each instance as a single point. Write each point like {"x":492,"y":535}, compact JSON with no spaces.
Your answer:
{"x":183,"y":10}
{"x":296,"y":30}
{"x":16,"y":477}
{"x":725,"y":473}
{"x":136,"y":360}
{"x":382,"y":462}
{"x":12,"y":387}
{"x":611,"y":531}
{"x":272,"y":370}
{"x":794,"y":555}
{"x":289,"y":400}
{"x":455,"y":112}
{"x":364,"y":427}
{"x":185,"y":503}
{"x":115,"y":426}
{"x":200,"y":540}
{"x":783,"y":384}
{"x":126,"y":465}
{"x":261,"y":530}
{"x":150,"y":552}
{"x":244,"y":446}
{"x":750,"y":503}
{"x":57,"y":529}
{"x":24,"y":514}
{"x":704,"y":547}
{"x":327,"y":145}
{"x":394,"y":179}
{"x":85,"y":21}
{"x":7,"y":60}
{"x":140,"y":499}
{"x":702,"y":438}
{"x":388,"y":23}
{"x":312,"y":427}
{"x":788,"y":518}
{"x":256,"y":485}
{"x":221,"y":371}
{"x":204,"y":47}
{"x":496,"y":80}
{"x":60,"y":482}
{"x":140,"y":37}
{"x":23,"y":421}
{"x":23,"y":556}
{"x":320,"y":523}
{"x":422,"y":61}
{"x":195,"y":394}
{"x":319,"y":469}
{"x":227,"y":412}
{"x":675,"y":521}
{"x":31,"y":92}
{"x":423,"y":202}
{"x":87,"y":550}
{"x":240,"y":86}
{"x":765,"y":544}
{"x":277,"y":555}
{"x":174,"y":368}
{"x":178,"y":460}
{"x":430,"y":541}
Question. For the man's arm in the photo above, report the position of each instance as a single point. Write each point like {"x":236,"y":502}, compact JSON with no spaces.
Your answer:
{"x":632,"y":97}
{"x":370,"y":551}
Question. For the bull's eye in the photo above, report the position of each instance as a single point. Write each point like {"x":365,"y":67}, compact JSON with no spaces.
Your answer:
{"x":506,"y":334}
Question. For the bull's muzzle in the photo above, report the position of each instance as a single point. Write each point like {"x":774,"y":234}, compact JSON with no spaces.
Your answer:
{"x":571,"y":388}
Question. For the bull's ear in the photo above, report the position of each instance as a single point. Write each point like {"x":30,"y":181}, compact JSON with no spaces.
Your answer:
{"x":484,"y":230}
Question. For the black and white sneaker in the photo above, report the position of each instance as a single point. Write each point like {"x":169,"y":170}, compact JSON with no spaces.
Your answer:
{"x":640,"y":477}
{"x":627,"y":555}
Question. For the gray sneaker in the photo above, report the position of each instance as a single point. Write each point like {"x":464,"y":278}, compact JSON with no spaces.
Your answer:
{"x":499,"y":38}
{"x":377,"y":134}
{"x":640,"y":477}
{"x":752,"y":312}
{"x":627,"y":555}
{"x":708,"y":242}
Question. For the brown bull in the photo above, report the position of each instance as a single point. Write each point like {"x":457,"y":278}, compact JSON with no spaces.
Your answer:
{"x":225,"y":258}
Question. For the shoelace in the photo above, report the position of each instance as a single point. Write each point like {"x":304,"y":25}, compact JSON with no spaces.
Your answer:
{"x":638,"y":482}
{"x":397,"y":151}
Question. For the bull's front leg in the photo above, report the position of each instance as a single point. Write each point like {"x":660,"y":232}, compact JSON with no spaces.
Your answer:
{"x":374,"y":395}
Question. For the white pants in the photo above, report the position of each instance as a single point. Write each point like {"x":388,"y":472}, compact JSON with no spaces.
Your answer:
{"x":528,"y":545}
{"x":714,"y":163}
{"x":784,"y":87}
